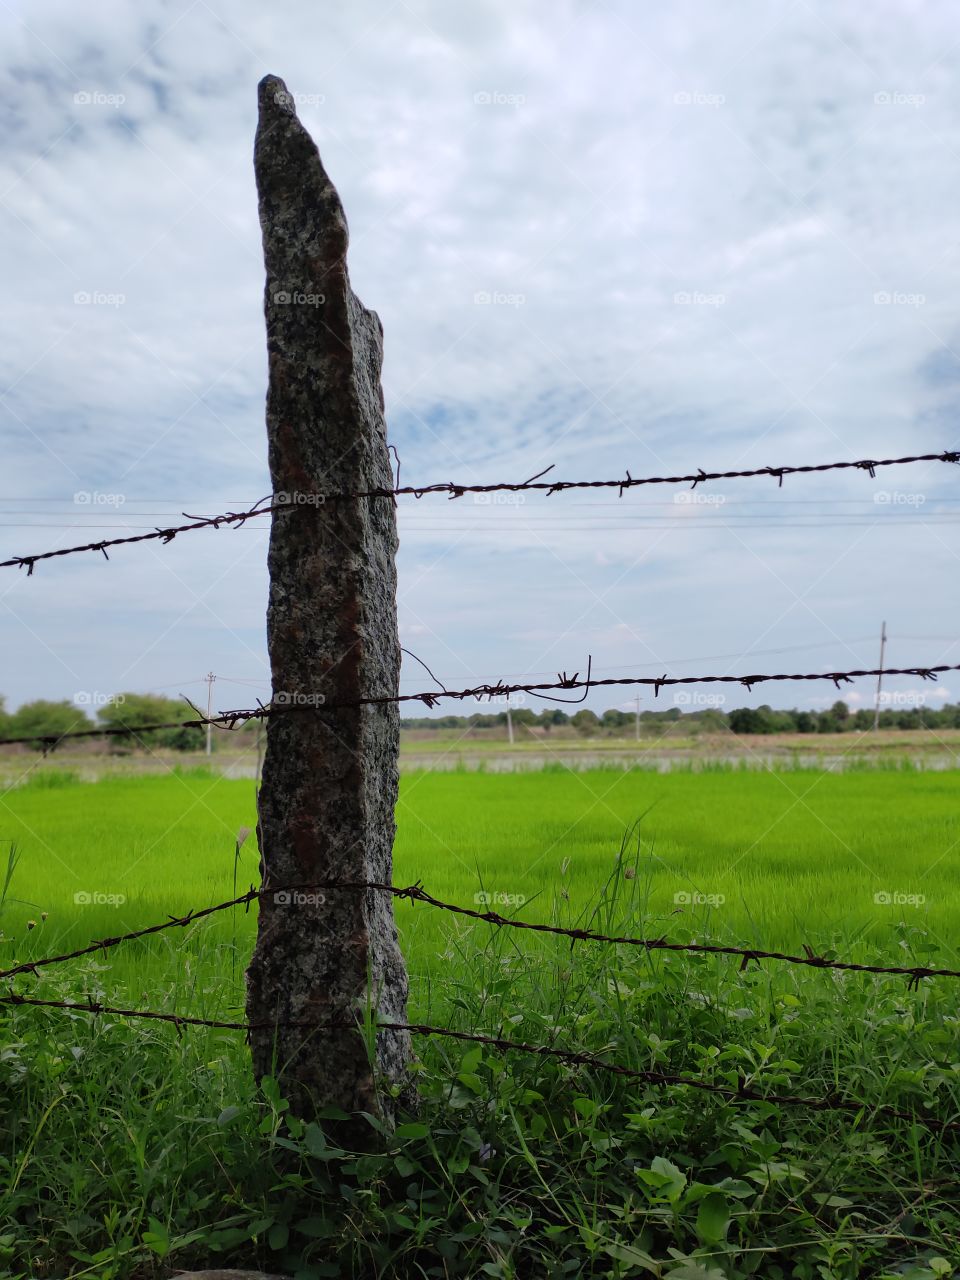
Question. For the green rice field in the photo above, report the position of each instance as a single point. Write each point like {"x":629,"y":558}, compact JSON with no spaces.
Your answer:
{"x":771,"y":859}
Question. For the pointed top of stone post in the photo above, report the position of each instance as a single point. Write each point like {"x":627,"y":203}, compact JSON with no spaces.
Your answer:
{"x":287,"y":162}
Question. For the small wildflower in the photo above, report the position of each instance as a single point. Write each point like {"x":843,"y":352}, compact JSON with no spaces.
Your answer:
{"x":31,"y":924}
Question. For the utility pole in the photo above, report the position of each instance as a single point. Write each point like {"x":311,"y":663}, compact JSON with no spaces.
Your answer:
{"x":209,"y":678}
{"x":638,"y":717}
{"x":509,"y":722}
{"x":883,"y":645}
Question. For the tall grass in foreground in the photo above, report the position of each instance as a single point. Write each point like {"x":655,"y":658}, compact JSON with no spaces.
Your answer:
{"x":128,"y":1150}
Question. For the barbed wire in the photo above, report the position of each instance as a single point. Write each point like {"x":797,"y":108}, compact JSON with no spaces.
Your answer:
{"x":165,"y":535}
{"x":747,"y":955}
{"x":228,"y":720}
{"x":416,"y":893}
{"x":104,"y":944}
{"x":454,"y":489}
{"x":316,"y":702}
{"x":563,"y":681}
{"x":742,"y":1091}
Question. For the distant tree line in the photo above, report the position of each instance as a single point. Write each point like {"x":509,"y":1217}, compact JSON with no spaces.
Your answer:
{"x":126,"y":710}
{"x":742,"y":720}
{"x":131,"y":710}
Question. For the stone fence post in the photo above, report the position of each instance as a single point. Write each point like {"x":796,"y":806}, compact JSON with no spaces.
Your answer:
{"x":326,"y":803}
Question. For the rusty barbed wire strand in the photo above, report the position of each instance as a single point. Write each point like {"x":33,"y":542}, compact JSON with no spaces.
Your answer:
{"x":165,"y":535}
{"x":747,"y":955}
{"x":563,"y":681}
{"x":416,"y":893}
{"x":49,"y":741}
{"x":315,"y":702}
{"x":104,"y":944}
{"x":454,"y":489}
{"x":742,"y":1092}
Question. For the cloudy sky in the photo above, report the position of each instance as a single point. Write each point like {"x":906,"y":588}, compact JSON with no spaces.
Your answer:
{"x":602,"y":236}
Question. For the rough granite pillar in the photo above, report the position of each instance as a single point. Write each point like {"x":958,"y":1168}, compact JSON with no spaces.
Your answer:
{"x":326,"y":804}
